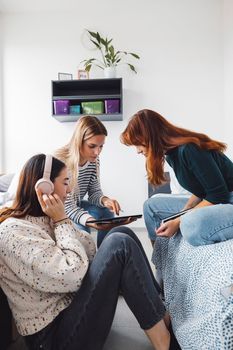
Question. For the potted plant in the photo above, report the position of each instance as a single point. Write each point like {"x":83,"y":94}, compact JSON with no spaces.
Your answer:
{"x":110,"y":57}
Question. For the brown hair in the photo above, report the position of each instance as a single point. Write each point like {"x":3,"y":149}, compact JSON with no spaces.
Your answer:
{"x":148,"y":128}
{"x":26,"y":202}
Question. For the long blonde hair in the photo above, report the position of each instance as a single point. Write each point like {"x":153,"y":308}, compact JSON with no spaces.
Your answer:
{"x":86,"y":127}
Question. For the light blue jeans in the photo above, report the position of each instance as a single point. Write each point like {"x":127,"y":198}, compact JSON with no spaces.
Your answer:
{"x":202,"y":226}
{"x":97,"y":213}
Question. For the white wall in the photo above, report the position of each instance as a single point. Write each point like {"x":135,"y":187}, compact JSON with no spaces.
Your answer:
{"x":1,"y":105}
{"x":180,"y":75}
{"x":228,"y":73}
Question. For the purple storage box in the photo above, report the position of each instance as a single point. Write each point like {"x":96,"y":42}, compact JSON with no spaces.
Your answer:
{"x":112,"y":106}
{"x":61,"y":106}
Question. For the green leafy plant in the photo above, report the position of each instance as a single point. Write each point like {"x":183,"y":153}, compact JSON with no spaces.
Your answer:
{"x":110,"y":56}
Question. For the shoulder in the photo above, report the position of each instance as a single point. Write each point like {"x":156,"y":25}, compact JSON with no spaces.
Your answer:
{"x":17,"y":224}
{"x":10,"y":222}
{"x":11,"y":226}
{"x":189,"y":150}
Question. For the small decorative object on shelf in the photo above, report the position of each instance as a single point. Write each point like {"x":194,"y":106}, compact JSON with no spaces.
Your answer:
{"x":110,"y":57}
{"x":83,"y":74}
{"x":100,"y":97}
{"x":65,"y":76}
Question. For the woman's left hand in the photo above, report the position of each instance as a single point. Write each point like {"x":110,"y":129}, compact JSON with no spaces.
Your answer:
{"x":111,"y":204}
{"x":168,"y":229}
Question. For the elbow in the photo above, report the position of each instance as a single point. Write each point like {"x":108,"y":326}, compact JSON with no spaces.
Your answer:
{"x":66,"y":281}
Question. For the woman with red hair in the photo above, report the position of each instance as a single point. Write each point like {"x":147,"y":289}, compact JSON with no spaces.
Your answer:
{"x":201,"y":168}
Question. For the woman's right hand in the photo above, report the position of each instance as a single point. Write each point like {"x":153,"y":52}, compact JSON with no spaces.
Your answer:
{"x":51,"y":205}
{"x":169,"y":228}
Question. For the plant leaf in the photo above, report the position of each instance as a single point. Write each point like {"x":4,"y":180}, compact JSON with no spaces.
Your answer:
{"x":134,"y":55}
{"x":95,"y":43}
{"x":98,"y":37}
{"x":111,"y":49}
{"x":90,"y":60}
{"x":93,"y":34}
{"x":88,"y":68}
{"x":132,"y":67}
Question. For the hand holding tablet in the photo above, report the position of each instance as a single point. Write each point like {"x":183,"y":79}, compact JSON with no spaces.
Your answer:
{"x":116,"y":220}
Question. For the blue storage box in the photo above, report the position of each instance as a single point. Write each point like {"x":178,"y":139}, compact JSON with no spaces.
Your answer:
{"x":75,"y":109}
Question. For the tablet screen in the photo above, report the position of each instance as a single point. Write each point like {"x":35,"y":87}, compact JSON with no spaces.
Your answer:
{"x":117,"y":219}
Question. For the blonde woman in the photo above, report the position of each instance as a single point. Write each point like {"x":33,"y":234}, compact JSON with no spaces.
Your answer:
{"x":81,"y":155}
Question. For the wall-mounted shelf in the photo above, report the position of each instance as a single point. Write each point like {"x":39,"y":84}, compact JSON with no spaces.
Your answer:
{"x":88,"y":90}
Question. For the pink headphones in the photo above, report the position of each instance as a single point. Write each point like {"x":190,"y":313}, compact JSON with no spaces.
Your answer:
{"x":45,"y":184}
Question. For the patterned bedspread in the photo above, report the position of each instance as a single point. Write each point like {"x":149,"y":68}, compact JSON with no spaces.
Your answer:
{"x":198,"y":287}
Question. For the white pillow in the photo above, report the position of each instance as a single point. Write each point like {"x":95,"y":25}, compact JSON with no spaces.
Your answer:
{"x":11,"y":192}
{"x":5,"y":181}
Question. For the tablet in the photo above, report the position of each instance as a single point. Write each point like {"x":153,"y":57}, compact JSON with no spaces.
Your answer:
{"x":174,"y":216}
{"x":117,"y":219}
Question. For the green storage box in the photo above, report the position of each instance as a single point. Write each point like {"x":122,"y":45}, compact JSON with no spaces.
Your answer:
{"x":95,"y":107}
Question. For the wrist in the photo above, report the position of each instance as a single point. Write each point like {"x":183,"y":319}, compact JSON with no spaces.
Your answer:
{"x":103,"y":200}
{"x":59,"y":220}
{"x":177,"y":221}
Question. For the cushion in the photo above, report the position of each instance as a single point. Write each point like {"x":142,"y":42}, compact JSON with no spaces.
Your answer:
{"x":5,"y":181}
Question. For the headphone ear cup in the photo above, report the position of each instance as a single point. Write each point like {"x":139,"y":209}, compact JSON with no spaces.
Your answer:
{"x":46,"y":186}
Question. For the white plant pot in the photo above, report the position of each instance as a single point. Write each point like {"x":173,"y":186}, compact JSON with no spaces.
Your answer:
{"x":110,"y":72}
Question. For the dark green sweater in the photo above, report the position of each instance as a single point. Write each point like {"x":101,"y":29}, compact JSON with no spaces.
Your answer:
{"x":206,"y":174}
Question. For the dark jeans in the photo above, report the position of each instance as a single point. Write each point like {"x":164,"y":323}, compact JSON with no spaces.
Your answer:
{"x":5,"y":322}
{"x":119,"y":264}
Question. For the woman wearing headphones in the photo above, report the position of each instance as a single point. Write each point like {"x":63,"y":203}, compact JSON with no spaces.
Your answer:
{"x":55,"y":281}
{"x":81,"y":155}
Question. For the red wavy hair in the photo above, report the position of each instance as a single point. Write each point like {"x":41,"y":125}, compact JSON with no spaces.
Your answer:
{"x":149,"y":129}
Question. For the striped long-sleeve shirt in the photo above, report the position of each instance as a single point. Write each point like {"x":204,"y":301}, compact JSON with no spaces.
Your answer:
{"x":87,"y":184}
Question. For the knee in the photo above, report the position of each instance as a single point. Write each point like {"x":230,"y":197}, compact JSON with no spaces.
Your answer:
{"x":122,"y":229}
{"x":191,"y":228}
{"x":151,"y":205}
{"x":145,"y":207}
{"x":117,"y":240}
{"x":152,"y":210}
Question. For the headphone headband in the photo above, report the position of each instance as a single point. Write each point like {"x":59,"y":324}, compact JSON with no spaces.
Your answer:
{"x":45,"y":184}
{"x":47,"y":166}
